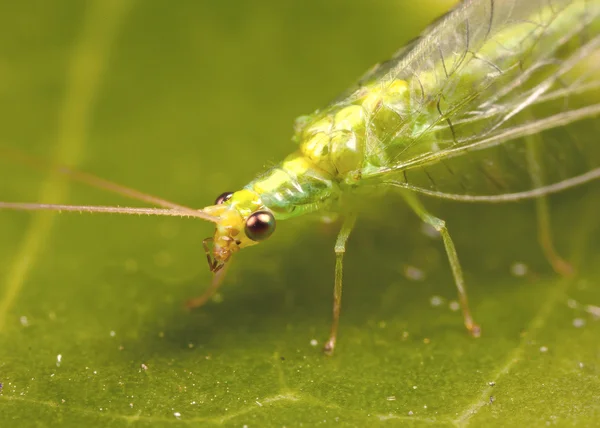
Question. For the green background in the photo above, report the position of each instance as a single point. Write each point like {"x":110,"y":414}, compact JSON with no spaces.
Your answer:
{"x":186,"y":100}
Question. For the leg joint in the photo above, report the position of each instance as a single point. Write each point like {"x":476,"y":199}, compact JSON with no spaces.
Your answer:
{"x":437,"y":223}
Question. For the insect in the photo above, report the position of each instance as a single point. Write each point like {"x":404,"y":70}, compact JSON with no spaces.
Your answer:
{"x":463,"y":112}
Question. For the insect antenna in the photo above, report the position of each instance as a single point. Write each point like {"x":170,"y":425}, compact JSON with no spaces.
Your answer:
{"x":169,"y":208}
{"x":172,"y":212}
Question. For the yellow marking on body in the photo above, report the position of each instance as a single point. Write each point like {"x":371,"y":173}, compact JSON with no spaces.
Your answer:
{"x":246,"y":201}
{"x":371,"y":100}
{"x":391,"y":94}
{"x":347,"y":151}
{"x":349,"y":118}
{"x":297,"y":165}
{"x":321,"y":125}
{"x":271,"y":182}
{"x":317,"y":146}
{"x":397,"y":88}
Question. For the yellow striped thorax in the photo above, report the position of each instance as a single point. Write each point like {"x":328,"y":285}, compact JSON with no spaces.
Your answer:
{"x":346,"y":137}
{"x":334,"y":144}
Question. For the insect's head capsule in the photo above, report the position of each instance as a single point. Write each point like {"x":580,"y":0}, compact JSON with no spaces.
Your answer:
{"x":243,"y":221}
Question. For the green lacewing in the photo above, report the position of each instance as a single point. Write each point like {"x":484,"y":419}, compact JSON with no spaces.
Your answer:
{"x":487,"y":105}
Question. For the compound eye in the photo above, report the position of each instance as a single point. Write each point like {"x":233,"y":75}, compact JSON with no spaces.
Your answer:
{"x":223,"y":197}
{"x":260,"y":225}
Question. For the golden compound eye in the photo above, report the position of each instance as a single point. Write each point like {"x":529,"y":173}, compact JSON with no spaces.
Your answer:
{"x":223,"y":197}
{"x":260,"y":225}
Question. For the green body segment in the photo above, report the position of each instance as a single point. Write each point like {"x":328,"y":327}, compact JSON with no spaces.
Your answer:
{"x":334,"y":146}
{"x":466,"y":78}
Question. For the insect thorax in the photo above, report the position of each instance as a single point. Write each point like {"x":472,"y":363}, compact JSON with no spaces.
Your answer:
{"x":336,"y":145}
{"x":352,"y":136}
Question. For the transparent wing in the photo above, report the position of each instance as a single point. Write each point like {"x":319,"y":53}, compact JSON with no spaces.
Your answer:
{"x":501,"y":94}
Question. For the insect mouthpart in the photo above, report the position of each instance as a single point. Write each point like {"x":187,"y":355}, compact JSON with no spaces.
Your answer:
{"x":215,"y":263}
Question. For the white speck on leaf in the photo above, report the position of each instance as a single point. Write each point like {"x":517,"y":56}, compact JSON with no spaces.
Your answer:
{"x":519,"y":269}
{"x":454,"y":306}
{"x":24,"y":321}
{"x":436,"y":301}
{"x":543,"y":349}
{"x":177,"y":415}
{"x":58,"y":360}
{"x":578,"y":322}
{"x":593,"y":310}
{"x":414,"y":274}
{"x":314,"y":342}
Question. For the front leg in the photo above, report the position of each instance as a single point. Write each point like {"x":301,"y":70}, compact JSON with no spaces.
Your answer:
{"x":340,"y":249}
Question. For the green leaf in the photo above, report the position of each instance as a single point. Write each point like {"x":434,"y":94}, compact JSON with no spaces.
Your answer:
{"x":185,"y":101}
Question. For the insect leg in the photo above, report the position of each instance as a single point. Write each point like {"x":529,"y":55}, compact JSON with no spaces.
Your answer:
{"x":536,"y":173}
{"x":340,"y":249}
{"x":560,"y":265}
{"x":440,"y":226}
{"x":215,"y":284}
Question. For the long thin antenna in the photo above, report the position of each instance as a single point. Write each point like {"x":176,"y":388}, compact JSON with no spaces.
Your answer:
{"x":89,"y":179}
{"x":173,"y":212}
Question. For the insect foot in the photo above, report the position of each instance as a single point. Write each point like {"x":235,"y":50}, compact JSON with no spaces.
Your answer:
{"x":329,"y":347}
